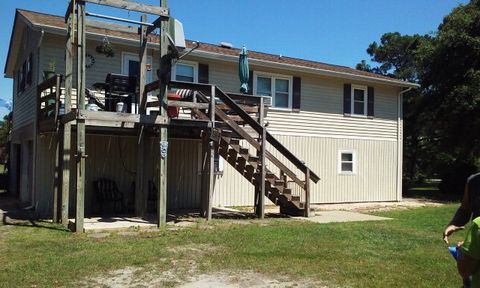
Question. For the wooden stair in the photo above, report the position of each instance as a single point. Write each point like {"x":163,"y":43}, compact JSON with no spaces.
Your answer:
{"x":236,"y":119}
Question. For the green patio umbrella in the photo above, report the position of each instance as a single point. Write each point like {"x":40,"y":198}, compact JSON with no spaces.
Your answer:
{"x":243,"y":71}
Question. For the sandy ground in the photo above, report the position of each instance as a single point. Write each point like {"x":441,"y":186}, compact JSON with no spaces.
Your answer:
{"x":184,"y":273}
{"x":406,"y":203}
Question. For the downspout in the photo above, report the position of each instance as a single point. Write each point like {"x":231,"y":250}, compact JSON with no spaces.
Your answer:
{"x":400,"y":142}
{"x":35,"y":125}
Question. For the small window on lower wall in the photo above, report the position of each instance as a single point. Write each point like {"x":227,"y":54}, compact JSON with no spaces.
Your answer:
{"x":347,"y":162}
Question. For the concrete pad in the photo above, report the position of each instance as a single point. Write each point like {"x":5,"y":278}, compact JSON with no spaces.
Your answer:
{"x":112,"y":223}
{"x":341,"y":216}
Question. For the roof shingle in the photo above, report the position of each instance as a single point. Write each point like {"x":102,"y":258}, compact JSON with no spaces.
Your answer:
{"x":42,"y":19}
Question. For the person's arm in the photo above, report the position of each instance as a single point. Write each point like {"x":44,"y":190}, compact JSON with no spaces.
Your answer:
{"x":460,"y":218}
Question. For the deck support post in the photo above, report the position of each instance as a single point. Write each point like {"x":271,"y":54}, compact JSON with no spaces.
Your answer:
{"x":208,"y":162}
{"x":165,"y":63}
{"x":306,"y":209}
{"x":140,"y":195}
{"x":81,"y":149}
{"x":56,"y":179}
{"x":66,"y":149}
{"x":260,"y":187}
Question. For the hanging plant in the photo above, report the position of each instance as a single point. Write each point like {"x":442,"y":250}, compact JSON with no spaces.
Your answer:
{"x":105,"y":48}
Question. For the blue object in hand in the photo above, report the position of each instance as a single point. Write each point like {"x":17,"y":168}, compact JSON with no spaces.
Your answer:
{"x":454,"y":251}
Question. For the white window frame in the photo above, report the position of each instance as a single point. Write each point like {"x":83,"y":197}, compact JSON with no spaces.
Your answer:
{"x":126,"y":57}
{"x":365,"y":100}
{"x":186,"y":63}
{"x":274,"y":77}
{"x":354,"y":162}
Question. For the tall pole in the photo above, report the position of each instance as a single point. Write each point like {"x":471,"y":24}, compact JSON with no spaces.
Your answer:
{"x":140,"y":199}
{"x":81,"y":149}
{"x":162,"y":189}
{"x":67,"y":128}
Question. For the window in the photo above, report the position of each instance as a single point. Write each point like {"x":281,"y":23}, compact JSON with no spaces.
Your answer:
{"x":131,"y":66}
{"x":359,"y":100}
{"x":29,"y":69}
{"x":347,"y":162}
{"x":276,"y":86}
{"x":21,"y":79}
{"x":185,"y":71}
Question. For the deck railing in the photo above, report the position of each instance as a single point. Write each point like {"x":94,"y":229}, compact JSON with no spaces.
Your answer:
{"x":48,"y":98}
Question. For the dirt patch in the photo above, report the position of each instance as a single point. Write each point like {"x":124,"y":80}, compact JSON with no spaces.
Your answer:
{"x":406,"y":203}
{"x":138,"y":277}
{"x":182,"y":271}
{"x":238,"y":279}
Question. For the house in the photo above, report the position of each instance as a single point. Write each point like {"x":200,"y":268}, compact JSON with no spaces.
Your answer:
{"x":344,"y":125}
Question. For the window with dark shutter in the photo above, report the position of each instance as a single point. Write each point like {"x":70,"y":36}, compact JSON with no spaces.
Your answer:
{"x":29,"y":69}
{"x":371,"y":101}
{"x":347,"y":99}
{"x":297,"y":89}
{"x":203,"y":73}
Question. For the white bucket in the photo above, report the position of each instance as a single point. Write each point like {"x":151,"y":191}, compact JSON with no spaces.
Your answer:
{"x":120,"y":107}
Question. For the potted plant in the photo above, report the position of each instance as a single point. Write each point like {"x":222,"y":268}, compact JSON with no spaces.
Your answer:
{"x":105,"y":48}
{"x":47,"y":74}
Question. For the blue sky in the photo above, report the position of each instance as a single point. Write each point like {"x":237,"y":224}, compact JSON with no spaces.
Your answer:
{"x":335,"y":31}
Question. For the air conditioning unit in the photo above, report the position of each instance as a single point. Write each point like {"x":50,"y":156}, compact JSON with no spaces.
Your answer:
{"x":177,"y":36}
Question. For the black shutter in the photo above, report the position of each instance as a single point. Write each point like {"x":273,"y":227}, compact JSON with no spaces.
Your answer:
{"x":297,"y":88}
{"x":203,"y":73}
{"x":347,"y":99}
{"x":250,"y":83}
{"x":29,"y":69}
{"x":371,"y":101}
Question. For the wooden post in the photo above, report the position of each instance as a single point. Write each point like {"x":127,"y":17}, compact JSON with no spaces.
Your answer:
{"x":56,"y":178}
{"x":211,"y":157}
{"x":162,"y":187}
{"x":67,"y":130}
{"x":307,"y":193}
{"x":260,"y":209}
{"x":140,"y":195}
{"x":81,"y":149}
{"x":205,"y":173}
{"x":57,"y":184}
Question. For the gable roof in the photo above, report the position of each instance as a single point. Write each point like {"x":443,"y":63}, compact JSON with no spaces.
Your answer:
{"x":47,"y":21}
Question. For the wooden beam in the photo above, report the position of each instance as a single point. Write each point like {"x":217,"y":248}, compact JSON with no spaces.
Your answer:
{"x":260,"y":209}
{"x":205,"y":174}
{"x":162,"y":84}
{"x":81,"y":149}
{"x":140,"y":191}
{"x":122,"y":117}
{"x":132,"y":6}
{"x":156,"y":24}
{"x":211,"y":156}
{"x":56,"y":179}
{"x":306,"y":208}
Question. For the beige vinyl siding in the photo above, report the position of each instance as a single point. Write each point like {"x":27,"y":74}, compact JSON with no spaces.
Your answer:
{"x":114,"y":157}
{"x":24,"y":103}
{"x":375,"y":180}
{"x":321,"y":107}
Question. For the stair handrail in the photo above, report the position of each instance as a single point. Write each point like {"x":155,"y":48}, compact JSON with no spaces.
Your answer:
{"x":206,"y":88}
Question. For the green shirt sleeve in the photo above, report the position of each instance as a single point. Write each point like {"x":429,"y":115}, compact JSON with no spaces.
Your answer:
{"x":471,"y":246}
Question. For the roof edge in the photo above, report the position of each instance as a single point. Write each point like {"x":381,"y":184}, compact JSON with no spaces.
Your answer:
{"x":231,"y":58}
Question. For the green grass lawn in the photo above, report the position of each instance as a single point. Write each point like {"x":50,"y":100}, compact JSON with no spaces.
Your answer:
{"x":405,"y":252}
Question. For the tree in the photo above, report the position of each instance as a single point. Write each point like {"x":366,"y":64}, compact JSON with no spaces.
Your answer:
{"x":451,"y":76}
{"x":442,"y":126}
{"x":398,"y":57}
